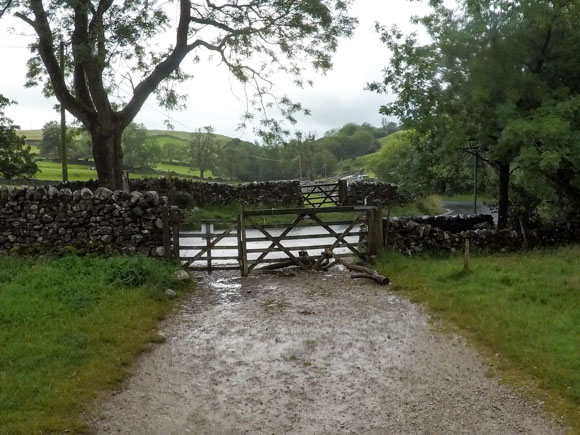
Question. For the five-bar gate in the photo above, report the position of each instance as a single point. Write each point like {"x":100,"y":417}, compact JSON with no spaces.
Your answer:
{"x":261,"y":237}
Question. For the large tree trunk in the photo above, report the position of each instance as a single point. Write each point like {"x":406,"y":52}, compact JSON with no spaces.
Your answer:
{"x":108,"y":154}
{"x":503,"y":198}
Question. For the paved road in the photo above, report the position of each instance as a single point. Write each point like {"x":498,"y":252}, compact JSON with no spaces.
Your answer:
{"x":466,"y":207}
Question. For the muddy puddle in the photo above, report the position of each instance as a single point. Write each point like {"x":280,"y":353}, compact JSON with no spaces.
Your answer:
{"x":312,"y":354}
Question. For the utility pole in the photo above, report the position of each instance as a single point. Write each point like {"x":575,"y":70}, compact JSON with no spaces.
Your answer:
{"x":475,"y":182}
{"x":63,"y":154}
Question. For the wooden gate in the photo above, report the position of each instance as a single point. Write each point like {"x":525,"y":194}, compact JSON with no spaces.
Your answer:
{"x":200,"y":250}
{"x":320,"y":195}
{"x":261,"y":237}
{"x":307,"y":232}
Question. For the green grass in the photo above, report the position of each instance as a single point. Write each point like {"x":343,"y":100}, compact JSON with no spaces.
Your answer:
{"x":76,"y":172}
{"x":53,"y":171}
{"x":430,"y":205}
{"x":522,"y":310}
{"x":70,"y":327}
{"x":370,"y":162}
{"x":33,"y":135}
{"x":468,"y":197}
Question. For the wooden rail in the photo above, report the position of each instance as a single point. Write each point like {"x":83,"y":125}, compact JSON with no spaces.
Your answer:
{"x":250,"y":241}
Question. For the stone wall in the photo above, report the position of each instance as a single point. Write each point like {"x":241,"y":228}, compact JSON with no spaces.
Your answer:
{"x":455,"y":224}
{"x":47,"y":219}
{"x":388,"y":193}
{"x":412,"y":236}
{"x":281,"y":193}
{"x":277,"y":193}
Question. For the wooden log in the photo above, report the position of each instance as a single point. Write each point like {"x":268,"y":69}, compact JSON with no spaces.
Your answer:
{"x":305,"y":259}
{"x":362,"y":272}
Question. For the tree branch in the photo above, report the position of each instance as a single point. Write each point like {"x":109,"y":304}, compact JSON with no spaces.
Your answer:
{"x":5,"y":8}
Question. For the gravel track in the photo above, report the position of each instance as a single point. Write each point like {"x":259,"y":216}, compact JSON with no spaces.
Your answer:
{"x":311,"y":354}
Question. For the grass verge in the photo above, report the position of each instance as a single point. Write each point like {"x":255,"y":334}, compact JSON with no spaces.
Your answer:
{"x":430,"y":205}
{"x":522,"y":310}
{"x":70,"y":327}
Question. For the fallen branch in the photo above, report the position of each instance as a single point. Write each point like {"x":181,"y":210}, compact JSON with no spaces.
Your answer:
{"x":363,"y":272}
{"x":302,"y":256}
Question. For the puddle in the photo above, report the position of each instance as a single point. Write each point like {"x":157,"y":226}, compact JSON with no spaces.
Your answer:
{"x":227,"y":289}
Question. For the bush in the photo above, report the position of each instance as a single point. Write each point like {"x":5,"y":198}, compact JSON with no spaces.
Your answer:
{"x":183,"y":200}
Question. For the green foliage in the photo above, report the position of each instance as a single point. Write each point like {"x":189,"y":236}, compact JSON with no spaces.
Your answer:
{"x":139,"y":151}
{"x":129,"y":272}
{"x":203,"y":149}
{"x":50,"y":143}
{"x":522,"y":309}
{"x":183,"y":200}
{"x":16,"y":158}
{"x":492,"y":79}
{"x":67,"y":332}
{"x":142,"y":46}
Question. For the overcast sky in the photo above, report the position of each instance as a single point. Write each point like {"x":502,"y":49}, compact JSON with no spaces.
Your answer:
{"x":215,"y":99}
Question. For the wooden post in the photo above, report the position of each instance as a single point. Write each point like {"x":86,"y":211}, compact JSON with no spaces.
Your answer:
{"x":375,"y":229}
{"x":166,"y":234}
{"x":388,"y":229}
{"x":208,"y":244}
{"x":125,"y":177}
{"x":466,"y":256}
{"x":380,"y":234}
{"x":243,"y":247}
{"x":342,"y":192}
{"x":239,"y":239}
{"x":175,"y":231}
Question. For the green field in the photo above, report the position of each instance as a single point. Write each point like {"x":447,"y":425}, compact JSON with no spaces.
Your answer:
{"x":521,"y":310}
{"x":369,"y":162}
{"x":53,"y":171}
{"x":71,"y":327}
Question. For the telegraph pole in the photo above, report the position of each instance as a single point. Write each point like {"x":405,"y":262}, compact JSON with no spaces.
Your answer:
{"x":475,"y":182}
{"x":63,"y":154}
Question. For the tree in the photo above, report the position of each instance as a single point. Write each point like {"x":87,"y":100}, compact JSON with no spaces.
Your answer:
{"x":140,"y":151}
{"x":174,"y":152}
{"x":15,"y":156}
{"x":50,"y":143}
{"x":489,"y":66}
{"x":111,"y":46}
{"x":203,"y":149}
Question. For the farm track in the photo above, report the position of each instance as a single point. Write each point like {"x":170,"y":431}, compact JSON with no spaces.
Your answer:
{"x":311,"y":354}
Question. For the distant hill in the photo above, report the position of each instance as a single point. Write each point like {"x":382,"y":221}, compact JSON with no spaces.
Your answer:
{"x":34,"y":137}
{"x":371,"y":162}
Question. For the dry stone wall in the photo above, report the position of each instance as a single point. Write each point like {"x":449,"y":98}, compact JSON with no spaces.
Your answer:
{"x":387,"y":193}
{"x":47,"y":219}
{"x":413,"y":236}
{"x":281,"y":193}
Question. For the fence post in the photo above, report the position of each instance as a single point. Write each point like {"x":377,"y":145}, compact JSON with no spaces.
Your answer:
{"x":243,"y":247}
{"x":371,"y":238}
{"x":175,"y":231}
{"x":379,"y":225}
{"x":166,"y":233}
{"x":208,"y":244}
{"x":388,"y":227}
{"x":342,"y":192}
{"x":466,"y":256}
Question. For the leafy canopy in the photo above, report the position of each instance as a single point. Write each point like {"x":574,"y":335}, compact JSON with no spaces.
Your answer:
{"x":120,"y":52}
{"x":15,"y":156}
{"x":502,"y":78}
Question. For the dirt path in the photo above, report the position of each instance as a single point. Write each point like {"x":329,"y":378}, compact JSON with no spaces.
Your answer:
{"x":312,"y":354}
